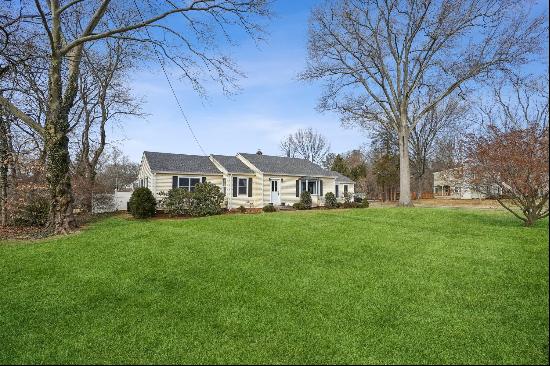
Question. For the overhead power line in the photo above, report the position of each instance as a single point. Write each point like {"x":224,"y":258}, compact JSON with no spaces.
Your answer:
{"x":161,"y":62}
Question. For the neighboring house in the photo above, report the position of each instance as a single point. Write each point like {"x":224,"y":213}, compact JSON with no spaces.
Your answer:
{"x":249,"y":180}
{"x":455,"y":183}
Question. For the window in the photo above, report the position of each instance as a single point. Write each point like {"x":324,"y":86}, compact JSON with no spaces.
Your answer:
{"x":188,"y":183}
{"x":345,"y":188}
{"x":310,"y":186}
{"x":243,"y":186}
{"x":274,"y":187}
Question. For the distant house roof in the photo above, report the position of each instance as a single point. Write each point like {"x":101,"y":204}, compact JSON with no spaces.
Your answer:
{"x":341,"y":178}
{"x":232,"y":164}
{"x":180,"y":163}
{"x":283,"y":165}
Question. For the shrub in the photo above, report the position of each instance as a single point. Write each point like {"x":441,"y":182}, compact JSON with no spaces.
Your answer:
{"x":330,"y":200}
{"x":364,"y":204}
{"x":242,"y":209}
{"x":142,"y":203}
{"x":350,"y":205}
{"x":269,"y":208}
{"x":206,"y":200}
{"x":347,"y":198}
{"x":34,"y":212}
{"x":357,"y":199}
{"x":305,"y":200}
{"x":299,"y":206}
{"x":177,"y":202}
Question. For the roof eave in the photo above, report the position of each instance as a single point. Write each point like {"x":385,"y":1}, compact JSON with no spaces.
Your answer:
{"x":184,"y":172}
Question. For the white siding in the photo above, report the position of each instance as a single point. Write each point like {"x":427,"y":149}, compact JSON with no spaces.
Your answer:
{"x":163,"y":181}
{"x":351,"y":190}
{"x":145,"y":175}
{"x":288,"y":189}
{"x":244,"y":200}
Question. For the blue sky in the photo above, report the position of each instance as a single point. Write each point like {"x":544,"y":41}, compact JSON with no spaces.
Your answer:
{"x":272,"y":103}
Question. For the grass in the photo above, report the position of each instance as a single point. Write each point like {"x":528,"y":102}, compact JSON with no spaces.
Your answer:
{"x":382,"y":285}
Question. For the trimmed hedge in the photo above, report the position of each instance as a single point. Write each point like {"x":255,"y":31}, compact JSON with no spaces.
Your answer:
{"x":142,"y":203}
{"x":305,"y":199}
{"x":269,"y":208}
{"x":205,"y":200}
{"x":330,"y":200}
{"x":177,"y":202}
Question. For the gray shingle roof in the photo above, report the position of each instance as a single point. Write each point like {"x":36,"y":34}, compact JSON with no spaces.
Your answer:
{"x":341,"y":178}
{"x":283,"y":165}
{"x":232,"y":164}
{"x":180,"y":163}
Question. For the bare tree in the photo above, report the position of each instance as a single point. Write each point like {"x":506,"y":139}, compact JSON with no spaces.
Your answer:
{"x":103,"y":97}
{"x":288,"y":146}
{"x":378,"y":55}
{"x":306,"y":144}
{"x":68,"y":26}
{"x":446,"y":119}
{"x":117,"y":172}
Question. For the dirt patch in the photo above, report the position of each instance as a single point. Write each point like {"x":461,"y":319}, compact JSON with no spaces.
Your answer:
{"x":444,"y":202}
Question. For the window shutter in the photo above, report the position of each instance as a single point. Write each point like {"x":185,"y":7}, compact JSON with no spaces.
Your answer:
{"x":297,"y":188}
{"x":249,"y":187}
{"x":203,"y":179}
{"x":234,"y":186}
{"x":321,"y":187}
{"x":336,"y":190}
{"x":175,"y":181}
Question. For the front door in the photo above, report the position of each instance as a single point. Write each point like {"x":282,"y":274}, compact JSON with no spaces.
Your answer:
{"x":275,"y":192}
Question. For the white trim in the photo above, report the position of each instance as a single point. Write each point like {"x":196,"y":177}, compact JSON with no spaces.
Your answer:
{"x":317,"y":186}
{"x":239,"y":194}
{"x":279,"y":183}
{"x":189,"y":183}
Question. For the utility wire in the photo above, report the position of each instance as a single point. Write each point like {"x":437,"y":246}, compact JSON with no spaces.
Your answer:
{"x":157,"y":53}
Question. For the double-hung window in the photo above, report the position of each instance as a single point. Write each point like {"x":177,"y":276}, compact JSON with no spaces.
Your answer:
{"x":243,"y":186}
{"x":188,"y":183}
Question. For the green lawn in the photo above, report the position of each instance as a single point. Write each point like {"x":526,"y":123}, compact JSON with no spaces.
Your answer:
{"x":382,"y":285}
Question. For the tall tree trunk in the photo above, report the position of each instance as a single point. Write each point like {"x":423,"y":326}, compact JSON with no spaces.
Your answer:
{"x":59,"y":179}
{"x":90,"y":176}
{"x":56,"y":144}
{"x":5,"y":162}
{"x":418,"y":188}
{"x":3,"y":186}
{"x":404,"y":169}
